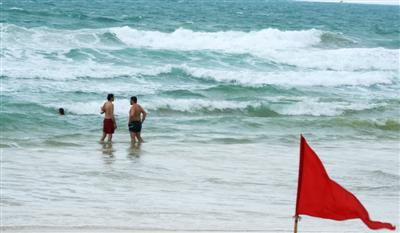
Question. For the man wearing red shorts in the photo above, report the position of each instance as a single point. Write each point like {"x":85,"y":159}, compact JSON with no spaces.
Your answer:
{"x":109,"y":124}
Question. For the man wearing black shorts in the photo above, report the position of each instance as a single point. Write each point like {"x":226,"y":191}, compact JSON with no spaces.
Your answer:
{"x":137,"y":115}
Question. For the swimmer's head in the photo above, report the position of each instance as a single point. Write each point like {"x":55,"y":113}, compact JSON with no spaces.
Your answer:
{"x":61,"y":111}
{"x":133,"y":99}
{"x":110,"y":97}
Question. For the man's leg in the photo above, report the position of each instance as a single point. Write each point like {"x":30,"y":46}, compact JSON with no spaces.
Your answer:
{"x":103,"y":137}
{"x":109,"y":137}
{"x":133,"y":140}
{"x":140,"y":139}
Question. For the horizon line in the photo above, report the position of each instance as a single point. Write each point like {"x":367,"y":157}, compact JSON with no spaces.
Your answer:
{"x":371,"y":2}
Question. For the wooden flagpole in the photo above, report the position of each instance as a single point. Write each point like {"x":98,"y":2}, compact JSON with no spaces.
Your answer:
{"x":296,"y":221}
{"x":296,"y":217}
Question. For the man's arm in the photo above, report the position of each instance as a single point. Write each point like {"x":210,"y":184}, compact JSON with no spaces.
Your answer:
{"x":103,"y":110}
{"x":130,"y":116}
{"x":113,"y":117}
{"x":144,"y":113}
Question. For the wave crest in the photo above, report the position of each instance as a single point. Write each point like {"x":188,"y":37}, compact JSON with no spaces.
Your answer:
{"x":108,"y":52}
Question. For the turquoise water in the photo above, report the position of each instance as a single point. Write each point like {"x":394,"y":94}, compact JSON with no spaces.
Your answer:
{"x":229,"y":86}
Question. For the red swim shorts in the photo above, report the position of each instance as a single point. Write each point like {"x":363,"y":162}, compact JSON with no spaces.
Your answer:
{"x":108,"y":126}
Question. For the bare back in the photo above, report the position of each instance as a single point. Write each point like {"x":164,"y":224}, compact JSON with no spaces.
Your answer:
{"x":135,"y":112}
{"x":108,"y":109}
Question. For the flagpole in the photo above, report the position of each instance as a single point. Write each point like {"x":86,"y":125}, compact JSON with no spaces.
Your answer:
{"x":296,"y":220}
{"x":299,"y":180}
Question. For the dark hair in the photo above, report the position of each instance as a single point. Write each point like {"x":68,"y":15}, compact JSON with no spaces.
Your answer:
{"x":61,"y":111}
{"x":134,"y":99}
{"x":110,"y":96}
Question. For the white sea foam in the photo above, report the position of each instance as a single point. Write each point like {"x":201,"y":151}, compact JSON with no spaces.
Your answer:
{"x":180,"y":39}
{"x":57,"y":70}
{"x":41,"y":52}
{"x":121,"y":107}
{"x":302,"y":106}
{"x":49,"y":40}
{"x":292,"y":47}
{"x":345,"y":59}
{"x":61,"y":69}
{"x":192,"y":105}
{"x":295,"y":78}
{"x":28,"y":63}
{"x":183,"y":105}
{"x":315,"y":107}
{"x":16,"y":8}
{"x":230,"y":41}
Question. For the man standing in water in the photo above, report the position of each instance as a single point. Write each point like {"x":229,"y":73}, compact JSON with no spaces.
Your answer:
{"x":109,"y":124}
{"x":137,"y":115}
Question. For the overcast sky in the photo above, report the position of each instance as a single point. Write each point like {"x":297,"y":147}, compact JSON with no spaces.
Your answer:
{"x":387,"y":2}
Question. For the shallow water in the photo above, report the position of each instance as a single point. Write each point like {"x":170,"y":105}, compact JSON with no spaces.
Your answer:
{"x":229,"y":87}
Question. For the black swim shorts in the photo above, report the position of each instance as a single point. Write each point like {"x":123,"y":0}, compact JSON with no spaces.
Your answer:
{"x":135,"y":126}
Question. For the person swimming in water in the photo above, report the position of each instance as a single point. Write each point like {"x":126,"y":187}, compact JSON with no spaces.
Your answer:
{"x":109,"y":124}
{"x":61,"y":111}
{"x":137,"y":115}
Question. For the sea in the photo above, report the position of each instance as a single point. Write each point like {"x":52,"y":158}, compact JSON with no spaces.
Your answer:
{"x":229,"y":86}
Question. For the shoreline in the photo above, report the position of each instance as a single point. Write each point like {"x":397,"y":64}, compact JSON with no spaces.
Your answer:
{"x":99,"y":229}
{"x":86,"y":229}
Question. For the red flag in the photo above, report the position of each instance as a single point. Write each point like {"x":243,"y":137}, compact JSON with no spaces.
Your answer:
{"x":319,"y":196}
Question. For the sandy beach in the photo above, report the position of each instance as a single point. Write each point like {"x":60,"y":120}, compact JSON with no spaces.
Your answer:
{"x":61,"y":230}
